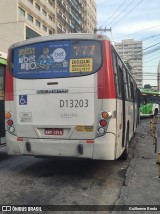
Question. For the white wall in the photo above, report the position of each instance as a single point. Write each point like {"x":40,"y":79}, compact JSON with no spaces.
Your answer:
{"x":8,"y":11}
{"x":10,"y":34}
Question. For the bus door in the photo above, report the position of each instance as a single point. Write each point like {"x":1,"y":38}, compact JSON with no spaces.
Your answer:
{"x":120,"y":89}
{"x":134,"y":108}
{"x":121,"y":79}
{"x":2,"y":118}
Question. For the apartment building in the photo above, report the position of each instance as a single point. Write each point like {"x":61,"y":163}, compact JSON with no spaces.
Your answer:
{"x":24,"y":19}
{"x":69,"y":16}
{"x":90,"y":16}
{"x":131,"y":53}
{"x":74,"y":16}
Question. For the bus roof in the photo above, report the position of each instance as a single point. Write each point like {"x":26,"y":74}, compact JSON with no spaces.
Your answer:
{"x":149,"y":91}
{"x":86,"y":36}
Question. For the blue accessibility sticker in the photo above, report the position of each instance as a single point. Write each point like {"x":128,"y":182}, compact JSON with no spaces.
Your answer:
{"x":22,"y":99}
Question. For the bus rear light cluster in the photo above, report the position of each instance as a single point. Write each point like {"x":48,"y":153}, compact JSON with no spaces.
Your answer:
{"x":9,"y":121}
{"x":103,"y":122}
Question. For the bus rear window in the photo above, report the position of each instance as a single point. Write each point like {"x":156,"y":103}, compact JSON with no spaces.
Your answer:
{"x":55,"y":59}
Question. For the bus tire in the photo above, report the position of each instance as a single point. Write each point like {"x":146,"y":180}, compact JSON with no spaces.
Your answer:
{"x":156,"y":112}
{"x":124,"y":155}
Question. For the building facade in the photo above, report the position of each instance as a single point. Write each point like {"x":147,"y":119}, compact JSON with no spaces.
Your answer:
{"x":26,"y":19}
{"x":131,"y":53}
{"x":76,"y":16}
{"x":90,"y":18}
{"x":30,"y":18}
{"x":69,"y":16}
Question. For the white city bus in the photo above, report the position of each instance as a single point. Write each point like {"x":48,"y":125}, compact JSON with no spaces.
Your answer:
{"x":69,"y":95}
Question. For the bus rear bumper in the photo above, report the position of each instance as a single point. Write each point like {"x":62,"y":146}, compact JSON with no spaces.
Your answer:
{"x":48,"y":147}
{"x":102,"y":148}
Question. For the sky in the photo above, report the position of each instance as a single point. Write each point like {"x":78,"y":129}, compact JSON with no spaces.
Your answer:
{"x":138,"y":20}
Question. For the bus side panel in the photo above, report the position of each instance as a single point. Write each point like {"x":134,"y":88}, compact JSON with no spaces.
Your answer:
{"x":129,"y":117}
{"x":104,"y":147}
{"x":119,"y":127}
{"x":106,"y":84}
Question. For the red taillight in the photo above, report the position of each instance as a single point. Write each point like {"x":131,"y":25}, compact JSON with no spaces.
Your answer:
{"x":103,"y":123}
{"x":10,"y":122}
{"x":90,"y":141}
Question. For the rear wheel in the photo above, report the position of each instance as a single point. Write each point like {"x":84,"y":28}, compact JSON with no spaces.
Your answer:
{"x":156,"y":112}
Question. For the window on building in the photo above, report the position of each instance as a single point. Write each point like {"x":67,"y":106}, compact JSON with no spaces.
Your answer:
{"x":38,"y":23}
{"x":50,"y":17}
{"x":64,"y":4}
{"x":44,"y":28}
{"x":50,"y":2}
{"x":31,"y":1}
{"x":37,"y":6}
{"x":30,"y":18}
{"x":44,"y":12}
{"x":21,"y":12}
{"x":50,"y":32}
{"x":31,"y":33}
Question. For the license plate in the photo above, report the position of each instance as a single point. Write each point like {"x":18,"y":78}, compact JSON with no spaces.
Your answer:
{"x":53,"y":131}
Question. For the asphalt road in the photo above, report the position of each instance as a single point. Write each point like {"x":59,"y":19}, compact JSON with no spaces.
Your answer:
{"x":32,"y":181}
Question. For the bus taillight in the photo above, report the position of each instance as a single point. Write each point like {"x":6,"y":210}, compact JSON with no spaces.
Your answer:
{"x":8,"y":115}
{"x":9,"y":123}
{"x":103,"y":122}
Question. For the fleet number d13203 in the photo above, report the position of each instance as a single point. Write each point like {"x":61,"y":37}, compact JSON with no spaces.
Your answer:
{"x":82,"y":103}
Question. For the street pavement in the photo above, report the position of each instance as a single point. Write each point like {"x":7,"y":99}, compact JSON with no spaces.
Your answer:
{"x":142,"y":182}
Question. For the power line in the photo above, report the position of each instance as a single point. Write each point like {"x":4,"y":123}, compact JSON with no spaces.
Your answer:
{"x":137,"y":32}
{"x":122,"y":11}
{"x":127,"y":13}
{"x":150,"y":37}
{"x":114,"y":12}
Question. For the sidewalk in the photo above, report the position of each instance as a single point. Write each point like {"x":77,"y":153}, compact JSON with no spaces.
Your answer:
{"x":142,"y":183}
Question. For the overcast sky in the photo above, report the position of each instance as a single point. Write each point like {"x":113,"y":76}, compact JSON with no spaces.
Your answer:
{"x":134,"y":19}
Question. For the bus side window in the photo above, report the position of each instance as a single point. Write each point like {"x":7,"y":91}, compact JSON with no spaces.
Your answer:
{"x":129,"y":86}
{"x":125,"y":83}
{"x":116,"y":76}
{"x":132,"y":91}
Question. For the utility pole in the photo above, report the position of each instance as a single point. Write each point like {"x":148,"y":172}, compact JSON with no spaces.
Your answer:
{"x":102,"y":30}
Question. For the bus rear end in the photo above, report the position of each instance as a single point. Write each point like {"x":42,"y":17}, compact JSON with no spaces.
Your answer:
{"x":54,"y":99}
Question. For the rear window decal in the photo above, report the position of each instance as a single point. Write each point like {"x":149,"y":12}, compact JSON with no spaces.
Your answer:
{"x":56,"y":59}
{"x":81,"y":65}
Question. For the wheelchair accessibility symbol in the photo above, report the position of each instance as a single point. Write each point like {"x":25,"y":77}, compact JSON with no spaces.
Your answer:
{"x":22,"y":99}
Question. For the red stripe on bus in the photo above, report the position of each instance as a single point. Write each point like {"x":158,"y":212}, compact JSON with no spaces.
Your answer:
{"x":106,"y":84}
{"x":8,"y":83}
